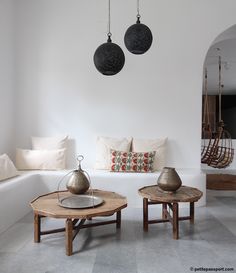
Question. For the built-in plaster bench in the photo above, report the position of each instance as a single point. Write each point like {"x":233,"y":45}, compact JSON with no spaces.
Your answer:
{"x":17,"y":192}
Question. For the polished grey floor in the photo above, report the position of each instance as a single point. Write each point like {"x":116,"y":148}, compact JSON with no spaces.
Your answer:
{"x":210,"y":243}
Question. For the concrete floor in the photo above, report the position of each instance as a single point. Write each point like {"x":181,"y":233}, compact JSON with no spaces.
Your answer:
{"x":210,"y":243}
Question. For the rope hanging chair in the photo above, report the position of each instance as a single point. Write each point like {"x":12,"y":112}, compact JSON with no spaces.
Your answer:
{"x":222,"y":152}
{"x":219,"y":152}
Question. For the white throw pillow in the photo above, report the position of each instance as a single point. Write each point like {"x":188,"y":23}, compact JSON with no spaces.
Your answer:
{"x":49,"y":143}
{"x":148,"y":145}
{"x":103,"y":147}
{"x":40,"y":159}
{"x":7,"y":168}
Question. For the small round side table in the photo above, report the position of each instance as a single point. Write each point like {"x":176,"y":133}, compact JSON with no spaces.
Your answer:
{"x":154,"y":195}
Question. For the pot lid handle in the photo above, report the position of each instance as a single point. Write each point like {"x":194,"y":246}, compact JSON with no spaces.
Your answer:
{"x":80,"y":158}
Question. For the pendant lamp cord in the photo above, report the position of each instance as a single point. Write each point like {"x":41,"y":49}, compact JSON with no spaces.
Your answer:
{"x":109,"y":21}
{"x":138,"y":12}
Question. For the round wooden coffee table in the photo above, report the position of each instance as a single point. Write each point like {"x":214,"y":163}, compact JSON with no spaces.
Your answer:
{"x":47,"y":206}
{"x":154,"y":195}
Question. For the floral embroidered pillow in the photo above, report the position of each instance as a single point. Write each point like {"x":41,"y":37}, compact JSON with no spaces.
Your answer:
{"x":132,"y":161}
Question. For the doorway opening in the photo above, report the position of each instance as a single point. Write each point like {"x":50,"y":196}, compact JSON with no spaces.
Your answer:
{"x":225,"y":46}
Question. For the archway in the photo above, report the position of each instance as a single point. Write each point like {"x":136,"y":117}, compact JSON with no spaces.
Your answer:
{"x":225,"y":46}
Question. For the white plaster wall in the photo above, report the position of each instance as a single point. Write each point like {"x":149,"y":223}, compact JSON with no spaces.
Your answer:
{"x":7,"y":100}
{"x":155,"y":95}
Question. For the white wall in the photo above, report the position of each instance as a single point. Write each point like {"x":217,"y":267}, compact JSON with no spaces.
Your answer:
{"x":7,"y":101}
{"x":155,"y":95}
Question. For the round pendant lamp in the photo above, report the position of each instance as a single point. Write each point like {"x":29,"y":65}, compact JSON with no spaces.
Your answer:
{"x":109,"y":58}
{"x":138,"y":37}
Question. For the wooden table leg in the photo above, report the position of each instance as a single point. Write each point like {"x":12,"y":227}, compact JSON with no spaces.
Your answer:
{"x":37,"y":228}
{"x":192,"y":212}
{"x":118,"y":219}
{"x":145,"y":214}
{"x":175,"y":221}
{"x":164,"y":208}
{"x":69,"y":237}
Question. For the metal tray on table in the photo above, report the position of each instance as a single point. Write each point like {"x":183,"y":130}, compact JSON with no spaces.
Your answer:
{"x":80,"y":201}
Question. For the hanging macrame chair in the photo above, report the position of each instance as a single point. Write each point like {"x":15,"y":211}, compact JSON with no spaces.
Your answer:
{"x":222,"y":152}
{"x":219,"y":153}
{"x":206,"y":126}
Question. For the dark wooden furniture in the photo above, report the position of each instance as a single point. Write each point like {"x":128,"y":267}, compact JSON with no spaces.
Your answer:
{"x":154,"y":195}
{"x":47,"y":206}
{"x":221,"y":181}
